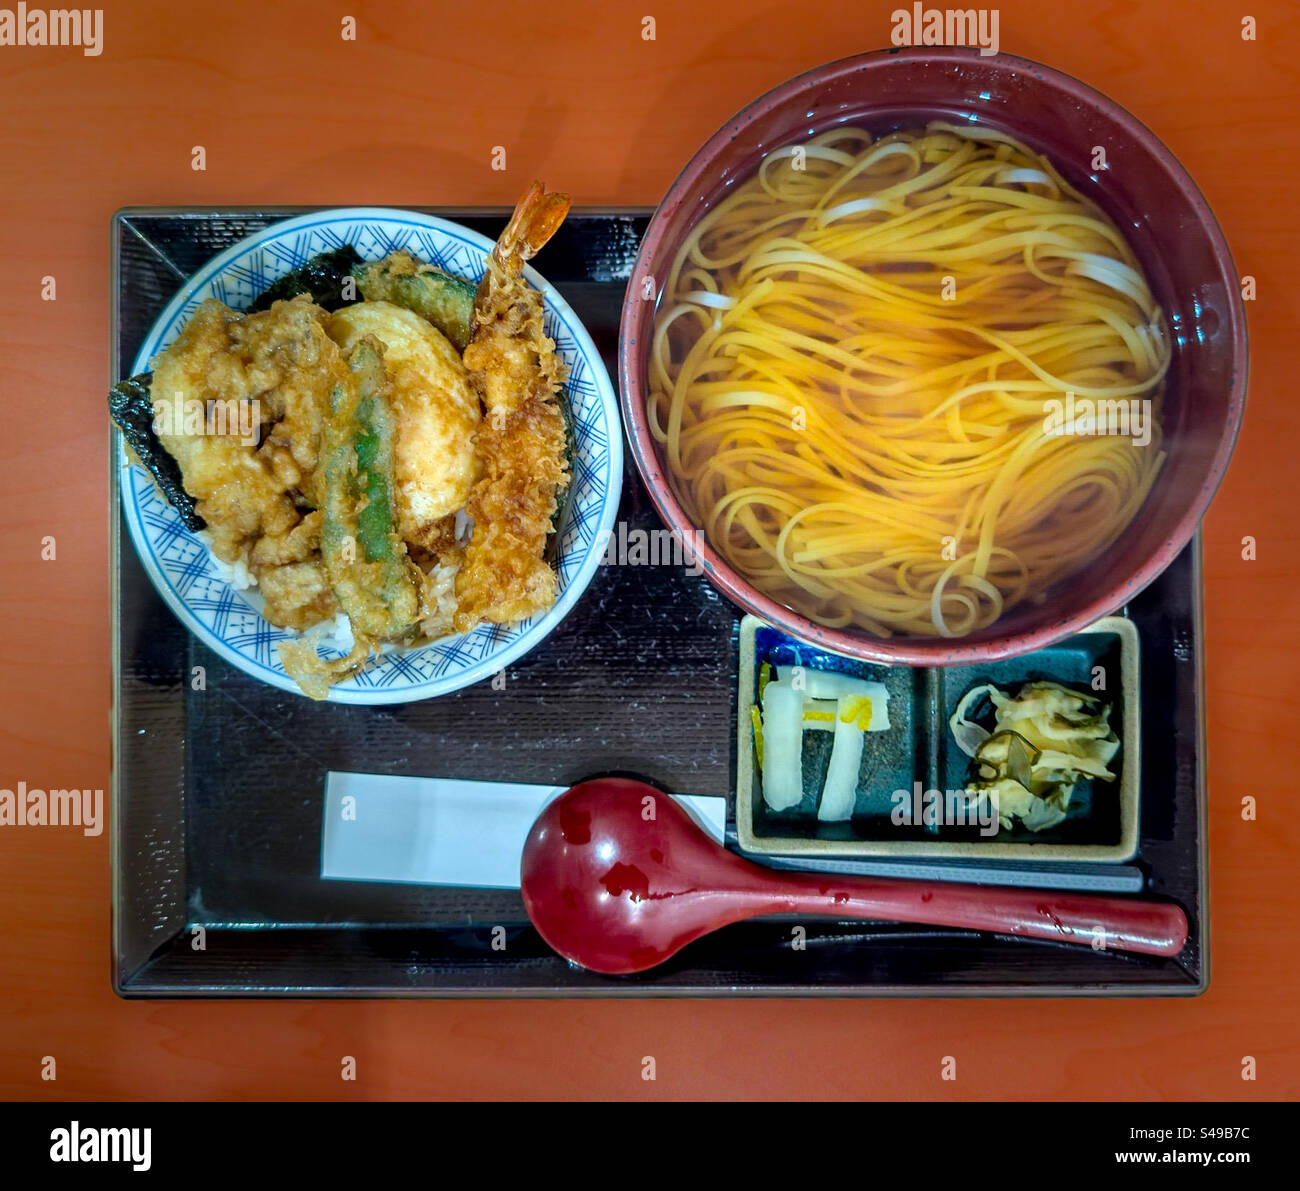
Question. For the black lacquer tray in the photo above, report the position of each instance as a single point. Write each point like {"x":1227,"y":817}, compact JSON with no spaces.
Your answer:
{"x":217,"y":794}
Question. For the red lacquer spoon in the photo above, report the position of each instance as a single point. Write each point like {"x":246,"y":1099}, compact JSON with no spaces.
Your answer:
{"x":617,"y":877}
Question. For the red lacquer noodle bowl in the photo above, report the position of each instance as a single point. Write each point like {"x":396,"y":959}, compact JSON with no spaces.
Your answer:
{"x":1143,"y":189}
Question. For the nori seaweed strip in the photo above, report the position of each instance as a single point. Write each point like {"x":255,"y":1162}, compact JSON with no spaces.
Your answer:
{"x":322,"y":277}
{"x":131,"y":408}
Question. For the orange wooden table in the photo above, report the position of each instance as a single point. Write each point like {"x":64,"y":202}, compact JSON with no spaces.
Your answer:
{"x":409,"y":113}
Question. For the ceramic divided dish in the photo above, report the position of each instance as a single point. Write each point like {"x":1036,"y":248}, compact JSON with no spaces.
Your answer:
{"x":917,"y":757}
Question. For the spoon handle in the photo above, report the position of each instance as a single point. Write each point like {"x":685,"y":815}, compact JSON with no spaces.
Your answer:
{"x":1104,"y":923}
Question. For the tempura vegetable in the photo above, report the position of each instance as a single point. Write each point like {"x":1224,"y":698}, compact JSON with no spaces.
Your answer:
{"x":435,"y":415}
{"x":373,"y":579}
{"x":444,"y":300}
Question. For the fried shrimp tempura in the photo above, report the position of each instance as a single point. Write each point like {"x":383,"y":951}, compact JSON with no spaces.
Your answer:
{"x":520,"y":446}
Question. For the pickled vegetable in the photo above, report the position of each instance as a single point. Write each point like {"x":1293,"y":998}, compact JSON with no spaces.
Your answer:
{"x":1044,"y":740}
{"x":821,"y":700}
{"x":840,"y":790}
{"x":782,"y":766}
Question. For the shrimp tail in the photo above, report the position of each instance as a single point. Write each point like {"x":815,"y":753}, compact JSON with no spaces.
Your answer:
{"x":536,"y":218}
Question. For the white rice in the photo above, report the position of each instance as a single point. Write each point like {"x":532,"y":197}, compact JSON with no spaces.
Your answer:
{"x":331,"y":634}
{"x":236,"y":574}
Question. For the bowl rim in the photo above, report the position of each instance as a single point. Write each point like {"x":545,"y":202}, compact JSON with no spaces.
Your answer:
{"x":608,"y":479}
{"x":637,"y":322}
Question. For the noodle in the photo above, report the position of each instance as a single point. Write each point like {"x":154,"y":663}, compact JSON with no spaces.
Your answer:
{"x":855,"y":362}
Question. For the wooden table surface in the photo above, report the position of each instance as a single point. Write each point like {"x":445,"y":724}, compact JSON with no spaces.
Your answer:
{"x":409,"y":113}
